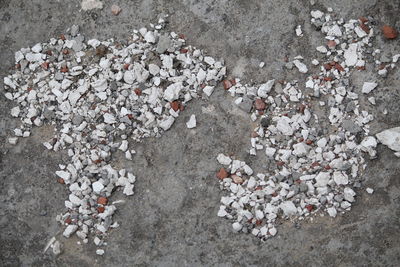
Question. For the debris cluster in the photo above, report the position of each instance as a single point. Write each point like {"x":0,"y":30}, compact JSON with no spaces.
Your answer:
{"x":99,"y":95}
{"x":313,"y":136}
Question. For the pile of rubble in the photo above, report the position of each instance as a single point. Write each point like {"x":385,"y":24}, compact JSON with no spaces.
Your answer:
{"x":98,"y":95}
{"x":313,"y":136}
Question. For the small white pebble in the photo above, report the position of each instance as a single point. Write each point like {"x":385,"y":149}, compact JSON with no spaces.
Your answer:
{"x":369,"y":190}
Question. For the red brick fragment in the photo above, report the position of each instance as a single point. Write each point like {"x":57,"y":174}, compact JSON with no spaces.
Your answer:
{"x":389,"y":32}
{"x":222,"y":174}
{"x":102,"y":200}
{"x":227,"y":84}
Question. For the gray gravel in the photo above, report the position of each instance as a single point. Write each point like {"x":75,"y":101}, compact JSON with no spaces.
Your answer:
{"x":171,"y":220}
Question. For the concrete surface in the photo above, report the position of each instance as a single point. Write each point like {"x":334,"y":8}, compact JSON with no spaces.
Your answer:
{"x":171,"y":220}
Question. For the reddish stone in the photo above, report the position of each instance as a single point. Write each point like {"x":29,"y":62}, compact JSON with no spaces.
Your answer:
{"x":64,"y":69}
{"x":233,"y":81}
{"x":68,"y":220}
{"x":327,"y":167}
{"x":100,"y":209}
{"x":338,"y":67}
{"x":102,"y":200}
{"x":181,"y":36}
{"x":49,"y":53}
{"x":175,"y":105}
{"x":222,"y":174}
{"x":254,"y":134}
{"x":258,"y":188}
{"x":61,"y":181}
{"x":363,"y":19}
{"x":237,"y":179}
{"x":309,"y":207}
{"x":364,"y":27}
{"x":138,"y":91}
{"x":309,"y":142}
{"x":280,"y":163}
{"x":314,"y":164}
{"x":259,"y":104}
{"x":328,"y":66}
{"x":126,"y":66}
{"x":45,"y":65}
{"x":328,"y":79}
{"x":258,"y":222}
{"x":361,"y":68}
{"x":184,"y":50}
{"x":62,"y":37}
{"x":302,"y":107}
{"x":65,"y":51}
{"x":389,"y":32}
{"x":274,"y":194}
{"x":301,"y":139}
{"x":227,"y":84}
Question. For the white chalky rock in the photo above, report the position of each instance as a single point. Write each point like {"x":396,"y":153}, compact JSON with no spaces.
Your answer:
{"x":224,"y":160}
{"x":167,"y":123}
{"x":129,"y":76}
{"x":349,"y":194}
{"x":191,"y":122}
{"x":390,"y":138}
{"x":340,"y":178}
{"x":334,"y":31}
{"x":56,"y":247}
{"x":322,"y":179}
{"x":298,"y":30}
{"x":300,"y":149}
{"x":91,"y":4}
{"x":13,"y":140}
{"x":128,"y":189}
{"x":208,"y":90}
{"x":69,"y":230}
{"x":272,"y":231}
{"x":369,"y":190}
{"x":288,"y":208}
{"x":300,"y":66}
{"x":149,"y":37}
{"x":15,"y":111}
{"x":368,"y":87}
{"x":172,"y":92}
{"x":63,"y":174}
{"x":332,"y":212}
{"x":209,"y":60}
{"x":100,"y":252}
{"x":316,"y":14}
{"x":265,"y":88}
{"x":284,"y":127}
{"x":124,"y":145}
{"x":237,"y":226}
{"x":97,"y":187}
{"x":222,"y":212}
{"x":109,"y":118}
{"x":350,"y":55}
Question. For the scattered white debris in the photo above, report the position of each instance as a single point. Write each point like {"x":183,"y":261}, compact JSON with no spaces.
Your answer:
{"x":390,"y":138}
{"x":191,"y":123}
{"x":300,"y":66}
{"x":369,"y":190}
{"x":124,"y":101}
{"x":368,"y":87}
{"x":261,"y":65}
{"x":298,"y":31}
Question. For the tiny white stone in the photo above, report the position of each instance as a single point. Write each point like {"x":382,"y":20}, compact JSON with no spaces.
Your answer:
{"x":149,"y":37}
{"x":191,"y":123}
{"x":237,"y":226}
{"x":224,"y":160}
{"x":97,"y":187}
{"x":368,"y":87}
{"x":300,"y":66}
{"x":100,"y":252}
{"x":13,"y":140}
{"x":369,"y":190}
{"x":69,"y":230}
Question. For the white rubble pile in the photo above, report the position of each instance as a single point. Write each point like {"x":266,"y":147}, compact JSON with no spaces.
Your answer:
{"x":98,"y":95}
{"x":314,"y":139}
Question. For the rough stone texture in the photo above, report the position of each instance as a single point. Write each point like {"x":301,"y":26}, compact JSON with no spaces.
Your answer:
{"x":171,"y":220}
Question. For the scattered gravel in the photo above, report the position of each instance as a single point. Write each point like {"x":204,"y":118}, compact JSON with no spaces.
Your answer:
{"x":100,"y":96}
{"x":314,"y":158}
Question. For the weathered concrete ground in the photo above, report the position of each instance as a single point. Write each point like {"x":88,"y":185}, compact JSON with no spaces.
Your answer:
{"x":171,"y":220}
